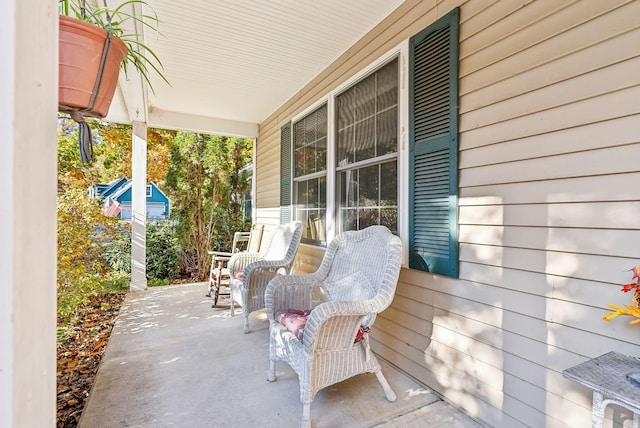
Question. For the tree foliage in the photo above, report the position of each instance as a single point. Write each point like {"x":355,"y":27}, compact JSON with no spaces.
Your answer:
{"x":206,"y":181}
{"x":112,"y":154}
{"x":82,"y":234}
{"x":204,"y":176}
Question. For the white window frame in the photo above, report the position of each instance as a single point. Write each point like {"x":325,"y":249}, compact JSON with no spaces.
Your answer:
{"x":149,"y":191}
{"x":313,"y":175}
{"x":401,"y":52}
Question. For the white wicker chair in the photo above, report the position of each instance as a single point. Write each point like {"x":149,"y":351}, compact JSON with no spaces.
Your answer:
{"x":356,"y":280}
{"x":219,"y":259}
{"x":277,"y":251}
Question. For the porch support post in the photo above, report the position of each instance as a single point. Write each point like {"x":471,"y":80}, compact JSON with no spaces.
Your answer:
{"x":139,"y":208}
{"x":28,"y":162}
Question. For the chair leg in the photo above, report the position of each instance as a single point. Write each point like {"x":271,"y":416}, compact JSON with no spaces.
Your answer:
{"x":218,"y":283}
{"x":391,"y":396}
{"x":213,"y":292}
{"x":210,"y":287}
{"x":215,"y":297}
{"x":271,"y":377}
{"x":306,"y":415}
{"x":246,"y":322}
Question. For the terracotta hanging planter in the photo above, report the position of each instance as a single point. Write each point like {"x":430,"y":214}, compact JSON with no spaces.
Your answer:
{"x":89,"y":66}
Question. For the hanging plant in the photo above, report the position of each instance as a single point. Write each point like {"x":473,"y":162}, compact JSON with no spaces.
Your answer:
{"x":94,"y":46}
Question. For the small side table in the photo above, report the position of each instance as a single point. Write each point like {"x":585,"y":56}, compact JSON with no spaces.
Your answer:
{"x":606,"y":375}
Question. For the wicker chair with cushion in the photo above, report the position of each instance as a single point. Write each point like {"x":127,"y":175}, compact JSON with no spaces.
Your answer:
{"x":251,"y":272}
{"x":318,"y":323}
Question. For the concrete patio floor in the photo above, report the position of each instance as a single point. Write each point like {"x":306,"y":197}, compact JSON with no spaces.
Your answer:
{"x":174,"y":361}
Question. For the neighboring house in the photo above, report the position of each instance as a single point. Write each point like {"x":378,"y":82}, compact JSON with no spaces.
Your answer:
{"x":500,"y":140}
{"x":117,"y":199}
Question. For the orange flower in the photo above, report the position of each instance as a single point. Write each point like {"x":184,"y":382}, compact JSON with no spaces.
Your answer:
{"x":631,"y":311}
{"x":627,"y":310}
{"x":628,"y":287}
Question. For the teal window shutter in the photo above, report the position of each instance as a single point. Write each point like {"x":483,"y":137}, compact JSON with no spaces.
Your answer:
{"x":285,"y":174}
{"x":433,"y":164}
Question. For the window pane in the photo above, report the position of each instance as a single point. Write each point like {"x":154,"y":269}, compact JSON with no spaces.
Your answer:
{"x":349,"y":219}
{"x":310,"y":135}
{"x":365,"y":98}
{"x":299,"y":136}
{"x":389,"y":218}
{"x":344,"y":108}
{"x":370,"y":107}
{"x":345,"y":146}
{"x":299,"y":160}
{"x":351,"y":188}
{"x":387,"y":91}
{"x":303,"y":216}
{"x":321,"y":154}
{"x":321,"y":124}
{"x":368,"y":217}
{"x":301,"y":193}
{"x":312,"y":194}
{"x":389,"y":184}
{"x":369,"y":185}
{"x":387,"y":132}
{"x":365,"y":139}
{"x":322,"y":192}
{"x":310,"y":210}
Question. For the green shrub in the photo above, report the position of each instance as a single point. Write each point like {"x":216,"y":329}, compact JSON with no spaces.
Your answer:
{"x":72,"y":298}
{"x":163,"y":254}
{"x":157,"y":282}
{"x":118,"y":253}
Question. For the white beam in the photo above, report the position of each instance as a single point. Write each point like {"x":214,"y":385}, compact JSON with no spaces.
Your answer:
{"x":164,"y":119}
{"x":134,"y":96}
{"x":132,"y":85}
{"x":139,"y":208}
{"x":28,"y":162}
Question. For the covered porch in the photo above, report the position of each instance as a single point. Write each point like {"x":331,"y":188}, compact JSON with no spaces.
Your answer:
{"x":546,"y":215}
{"x":174,"y":360}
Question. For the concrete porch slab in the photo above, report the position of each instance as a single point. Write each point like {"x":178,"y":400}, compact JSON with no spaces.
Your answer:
{"x":174,"y":361}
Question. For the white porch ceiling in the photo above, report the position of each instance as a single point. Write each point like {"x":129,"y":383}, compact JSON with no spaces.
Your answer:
{"x":233,"y":62}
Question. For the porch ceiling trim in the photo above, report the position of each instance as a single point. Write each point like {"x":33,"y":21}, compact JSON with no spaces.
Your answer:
{"x":232,"y":64}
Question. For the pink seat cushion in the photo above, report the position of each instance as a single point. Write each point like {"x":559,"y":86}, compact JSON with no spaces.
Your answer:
{"x":239,"y":275}
{"x":294,"y":320}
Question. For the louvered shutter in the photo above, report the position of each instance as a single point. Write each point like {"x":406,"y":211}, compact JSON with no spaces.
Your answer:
{"x":285,"y":174}
{"x":433,"y":110}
